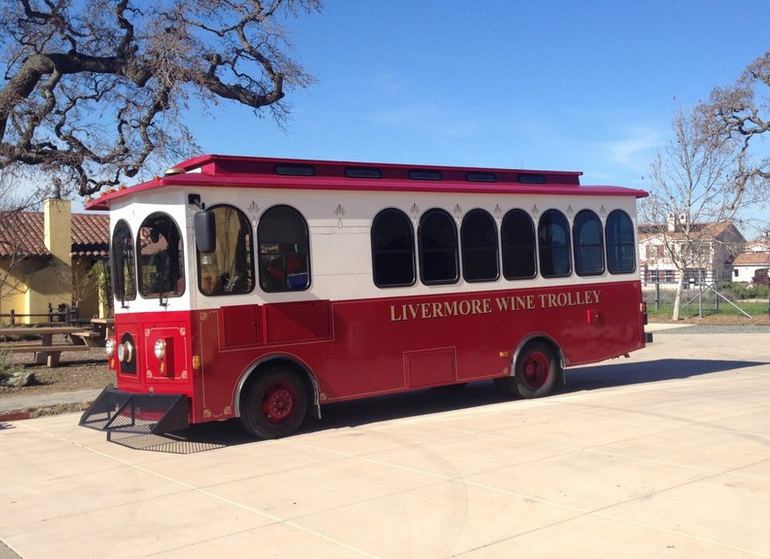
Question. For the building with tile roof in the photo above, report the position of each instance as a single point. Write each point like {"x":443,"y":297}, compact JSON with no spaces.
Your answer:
{"x":755,"y":258}
{"x":49,"y":257}
{"x":718,"y":245}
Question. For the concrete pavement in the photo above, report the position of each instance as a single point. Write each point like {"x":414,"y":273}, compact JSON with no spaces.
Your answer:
{"x":666,"y":454}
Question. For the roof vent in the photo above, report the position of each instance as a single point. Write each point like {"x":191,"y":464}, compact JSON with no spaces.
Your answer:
{"x":480,"y":176}
{"x":363,"y":172}
{"x":531,"y":178}
{"x":295,"y":170}
{"x":424,"y":175}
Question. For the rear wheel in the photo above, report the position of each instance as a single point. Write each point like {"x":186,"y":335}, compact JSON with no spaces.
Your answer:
{"x":275,"y":404}
{"x":536,"y":370}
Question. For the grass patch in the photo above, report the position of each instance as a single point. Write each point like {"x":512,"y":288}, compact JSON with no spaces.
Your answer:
{"x":691,"y":311}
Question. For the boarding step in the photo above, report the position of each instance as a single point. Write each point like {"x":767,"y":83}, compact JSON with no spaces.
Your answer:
{"x":115,"y":411}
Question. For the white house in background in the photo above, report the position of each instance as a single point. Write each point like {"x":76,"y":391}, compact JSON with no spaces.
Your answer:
{"x":756,"y":256}
{"x":719,"y":244}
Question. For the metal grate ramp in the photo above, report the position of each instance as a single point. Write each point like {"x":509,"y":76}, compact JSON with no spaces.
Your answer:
{"x":114,"y":411}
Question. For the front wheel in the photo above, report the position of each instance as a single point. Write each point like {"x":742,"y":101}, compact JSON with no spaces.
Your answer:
{"x":275,"y":404}
{"x":536,"y":370}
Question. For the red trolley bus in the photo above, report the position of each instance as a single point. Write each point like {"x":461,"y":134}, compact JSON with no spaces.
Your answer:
{"x":264,"y":288}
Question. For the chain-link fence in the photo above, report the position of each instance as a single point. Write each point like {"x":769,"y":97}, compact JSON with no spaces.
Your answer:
{"x":705,"y":293}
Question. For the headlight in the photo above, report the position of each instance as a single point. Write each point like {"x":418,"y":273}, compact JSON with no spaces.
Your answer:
{"x":109,"y":346}
{"x":160,"y":349}
{"x":125,"y":352}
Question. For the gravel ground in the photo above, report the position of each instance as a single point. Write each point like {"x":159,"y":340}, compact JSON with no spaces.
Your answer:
{"x":76,"y":371}
{"x":718,"y":329}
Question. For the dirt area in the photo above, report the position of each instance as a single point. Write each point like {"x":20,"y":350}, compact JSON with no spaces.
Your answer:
{"x":76,"y":371}
{"x":726,"y":319}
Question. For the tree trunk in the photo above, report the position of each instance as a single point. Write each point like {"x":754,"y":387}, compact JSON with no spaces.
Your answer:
{"x":678,"y":296}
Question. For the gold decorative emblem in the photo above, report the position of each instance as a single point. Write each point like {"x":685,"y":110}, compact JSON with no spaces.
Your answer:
{"x":458,"y":211}
{"x":228,"y":410}
{"x":339,"y":211}
{"x":183,"y":331}
{"x":207,"y":413}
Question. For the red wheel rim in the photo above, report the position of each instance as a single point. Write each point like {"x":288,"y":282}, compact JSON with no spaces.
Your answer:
{"x":278,"y":403}
{"x":535,"y":369}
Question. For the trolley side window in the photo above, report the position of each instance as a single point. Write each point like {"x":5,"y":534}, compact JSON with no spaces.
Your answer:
{"x":161,"y":260}
{"x":478,"y":236}
{"x":588,"y":238}
{"x":229,"y":269}
{"x":392,"y":249}
{"x":122,"y":260}
{"x":621,"y":249}
{"x":284,"y":250}
{"x":518,"y":242}
{"x":554,"y":245}
{"x":437,"y":238}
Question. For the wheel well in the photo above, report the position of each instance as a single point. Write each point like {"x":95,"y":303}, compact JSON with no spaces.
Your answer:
{"x":302,"y":372}
{"x":550,"y":343}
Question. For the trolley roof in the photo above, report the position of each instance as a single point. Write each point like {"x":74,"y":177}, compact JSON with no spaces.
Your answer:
{"x":228,"y":171}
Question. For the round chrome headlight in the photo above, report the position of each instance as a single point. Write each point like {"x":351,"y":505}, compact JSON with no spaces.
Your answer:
{"x":109,"y":346}
{"x":160,"y":349}
{"x":125,"y":352}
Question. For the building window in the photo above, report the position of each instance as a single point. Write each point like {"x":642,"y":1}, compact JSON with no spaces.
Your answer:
{"x":478,"y":239}
{"x":621,"y":252}
{"x":229,"y":269}
{"x":437,"y":239}
{"x":161,"y":258}
{"x":284,"y":250}
{"x":392,"y":249}
{"x":518,"y":244}
{"x":553,"y":239}
{"x":588,"y":239}
{"x":122,"y":257}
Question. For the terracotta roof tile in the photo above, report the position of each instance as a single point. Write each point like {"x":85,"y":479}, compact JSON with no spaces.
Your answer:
{"x":752,"y":259}
{"x":21,"y":234}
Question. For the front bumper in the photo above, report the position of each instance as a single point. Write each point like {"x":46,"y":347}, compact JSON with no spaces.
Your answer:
{"x":116,"y":411}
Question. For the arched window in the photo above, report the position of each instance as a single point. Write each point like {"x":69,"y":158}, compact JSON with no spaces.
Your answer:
{"x":554,"y":245}
{"x":518,"y":242}
{"x":230,"y":268}
{"x":588,"y":239}
{"x":621,"y":248}
{"x":392,"y":249}
{"x":437,"y":237}
{"x":478,"y":239}
{"x":161,"y":258}
{"x":122,"y":258}
{"x":284,"y":250}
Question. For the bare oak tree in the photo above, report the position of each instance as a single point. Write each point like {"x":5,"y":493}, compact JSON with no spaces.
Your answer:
{"x":741,"y":112}
{"x":692,"y":198}
{"x":93,"y":89}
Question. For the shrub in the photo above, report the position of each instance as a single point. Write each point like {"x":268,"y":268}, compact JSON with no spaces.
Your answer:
{"x":7,"y":368}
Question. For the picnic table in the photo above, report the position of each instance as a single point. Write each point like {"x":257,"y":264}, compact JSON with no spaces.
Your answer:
{"x":46,"y":351}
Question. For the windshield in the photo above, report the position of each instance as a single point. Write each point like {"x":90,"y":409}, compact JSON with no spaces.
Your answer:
{"x":122,"y":256}
{"x":159,"y":244}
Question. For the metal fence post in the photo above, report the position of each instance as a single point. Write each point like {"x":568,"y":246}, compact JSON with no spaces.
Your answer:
{"x":657,"y":293}
{"x":700,"y":293}
{"x":13,"y":317}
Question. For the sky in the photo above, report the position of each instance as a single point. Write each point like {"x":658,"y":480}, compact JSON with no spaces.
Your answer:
{"x":588,"y":86}
{"x":585,"y":86}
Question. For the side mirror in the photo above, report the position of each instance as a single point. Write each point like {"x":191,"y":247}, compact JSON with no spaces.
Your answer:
{"x":205,"y":231}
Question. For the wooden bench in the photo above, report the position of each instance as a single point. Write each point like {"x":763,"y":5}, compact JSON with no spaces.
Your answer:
{"x":46,"y":352}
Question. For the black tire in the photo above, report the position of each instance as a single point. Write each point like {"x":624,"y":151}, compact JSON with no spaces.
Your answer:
{"x":274,"y":404}
{"x":536,"y":371}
